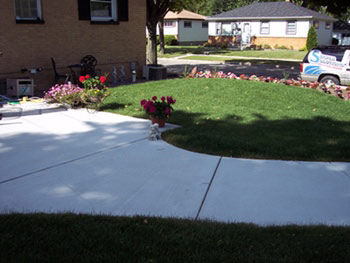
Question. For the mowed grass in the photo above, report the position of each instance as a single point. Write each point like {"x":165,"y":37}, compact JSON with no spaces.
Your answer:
{"x":86,"y":238}
{"x":239,"y":118}
{"x":175,"y":51}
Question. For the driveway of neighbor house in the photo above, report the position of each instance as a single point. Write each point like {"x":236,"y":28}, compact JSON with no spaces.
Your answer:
{"x":249,"y":66}
{"x":76,"y":161}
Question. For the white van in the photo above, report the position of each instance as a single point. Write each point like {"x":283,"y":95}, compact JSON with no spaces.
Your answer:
{"x":330,"y":65}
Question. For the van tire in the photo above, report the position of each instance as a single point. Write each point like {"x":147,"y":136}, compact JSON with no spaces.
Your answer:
{"x":329,"y":80}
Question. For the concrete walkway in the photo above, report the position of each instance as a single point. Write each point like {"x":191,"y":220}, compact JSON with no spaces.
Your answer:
{"x":102,"y":163}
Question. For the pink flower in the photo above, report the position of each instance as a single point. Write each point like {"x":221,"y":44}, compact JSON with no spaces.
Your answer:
{"x":143,"y":102}
{"x":154,"y":98}
{"x":167,"y":111}
{"x":162,"y":98}
{"x":152,"y":109}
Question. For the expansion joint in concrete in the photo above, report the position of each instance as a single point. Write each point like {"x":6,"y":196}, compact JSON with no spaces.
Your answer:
{"x":209,"y":185}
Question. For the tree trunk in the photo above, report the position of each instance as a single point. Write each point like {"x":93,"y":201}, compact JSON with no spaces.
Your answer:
{"x":152,"y":43}
{"x":161,"y":37}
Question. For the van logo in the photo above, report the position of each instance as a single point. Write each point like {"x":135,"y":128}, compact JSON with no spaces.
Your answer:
{"x":314,"y":56}
{"x":313,"y":70}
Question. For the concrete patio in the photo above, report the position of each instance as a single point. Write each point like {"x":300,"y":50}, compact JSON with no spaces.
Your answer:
{"x":103,"y":163}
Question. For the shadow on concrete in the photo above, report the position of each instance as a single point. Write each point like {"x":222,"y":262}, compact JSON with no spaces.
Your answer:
{"x":316,"y":139}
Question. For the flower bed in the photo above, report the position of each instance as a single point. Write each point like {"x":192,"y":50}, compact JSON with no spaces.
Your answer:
{"x":329,"y":89}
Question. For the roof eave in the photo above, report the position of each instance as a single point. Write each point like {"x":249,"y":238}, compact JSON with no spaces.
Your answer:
{"x":267,"y":18}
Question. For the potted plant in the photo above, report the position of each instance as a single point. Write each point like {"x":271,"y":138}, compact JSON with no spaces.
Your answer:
{"x":158,"y":110}
{"x":95,"y":90}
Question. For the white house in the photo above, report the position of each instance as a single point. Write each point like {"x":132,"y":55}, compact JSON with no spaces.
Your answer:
{"x":270,"y":23}
{"x":188,"y":27}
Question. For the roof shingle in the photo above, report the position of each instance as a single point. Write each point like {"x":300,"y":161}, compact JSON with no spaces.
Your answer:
{"x":272,"y":10}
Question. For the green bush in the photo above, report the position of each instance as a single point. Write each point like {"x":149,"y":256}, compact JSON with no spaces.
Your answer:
{"x":170,"y":40}
{"x":303,"y":48}
{"x":267,"y":46}
{"x":311,"y":41}
{"x":283,"y":47}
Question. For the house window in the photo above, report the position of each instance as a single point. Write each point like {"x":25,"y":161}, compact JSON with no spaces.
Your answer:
{"x":169,"y":23}
{"x":204,"y":24}
{"x":103,"y":10}
{"x":316,"y":24}
{"x":265,"y":27}
{"x":291,"y":28}
{"x":328,"y":25}
{"x":188,"y":24}
{"x":28,"y":9}
{"x":226,"y":29}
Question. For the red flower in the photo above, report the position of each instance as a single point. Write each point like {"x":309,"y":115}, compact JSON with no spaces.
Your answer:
{"x":103,"y":79}
{"x":154,"y":98}
{"x":81,"y":79}
{"x":87,"y":76}
{"x":142,"y":102}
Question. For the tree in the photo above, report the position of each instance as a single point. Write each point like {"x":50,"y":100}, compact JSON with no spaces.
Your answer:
{"x":156,"y":10}
{"x":311,"y":41}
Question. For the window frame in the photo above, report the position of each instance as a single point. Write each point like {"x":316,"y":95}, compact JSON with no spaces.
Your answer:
{"x":39,"y":16}
{"x":268,"y":27}
{"x":187,"y":22}
{"x":316,"y":24}
{"x":328,"y":25}
{"x":171,"y":23}
{"x":114,"y":16}
{"x":295,"y":31}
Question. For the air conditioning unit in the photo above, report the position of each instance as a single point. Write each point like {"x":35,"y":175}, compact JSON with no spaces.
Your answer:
{"x":154,"y":72}
{"x":20,"y":87}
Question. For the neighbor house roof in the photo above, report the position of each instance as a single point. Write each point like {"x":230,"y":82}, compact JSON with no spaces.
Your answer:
{"x":184,"y":14}
{"x":270,"y":10}
{"x":341,"y":26}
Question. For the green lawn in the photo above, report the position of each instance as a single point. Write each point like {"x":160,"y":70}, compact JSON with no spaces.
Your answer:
{"x":174,"y":51}
{"x":247,"y":119}
{"x":84,"y":238}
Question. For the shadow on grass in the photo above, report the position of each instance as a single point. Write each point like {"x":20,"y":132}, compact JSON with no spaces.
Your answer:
{"x":113,"y":106}
{"x":317,"y":139}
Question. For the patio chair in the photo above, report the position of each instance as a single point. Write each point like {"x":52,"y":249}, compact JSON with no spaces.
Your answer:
{"x":88,"y":64}
{"x":57,"y":75}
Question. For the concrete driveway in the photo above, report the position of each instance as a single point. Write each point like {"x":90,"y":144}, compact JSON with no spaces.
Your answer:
{"x":103,"y":163}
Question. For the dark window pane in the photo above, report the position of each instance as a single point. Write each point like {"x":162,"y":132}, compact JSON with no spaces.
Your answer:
{"x":101,"y":9}
{"x":26,"y":9}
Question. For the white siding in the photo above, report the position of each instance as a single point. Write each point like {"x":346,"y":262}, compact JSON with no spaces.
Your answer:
{"x":170,"y":30}
{"x":212,"y":29}
{"x":195,"y":33}
{"x":278,"y":28}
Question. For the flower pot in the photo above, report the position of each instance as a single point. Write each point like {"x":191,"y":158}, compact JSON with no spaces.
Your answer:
{"x":161,"y":122}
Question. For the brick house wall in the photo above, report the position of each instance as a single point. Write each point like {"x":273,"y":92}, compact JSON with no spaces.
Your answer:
{"x":67,"y":39}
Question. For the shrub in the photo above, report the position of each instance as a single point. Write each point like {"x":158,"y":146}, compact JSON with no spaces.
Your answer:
{"x":267,"y":46}
{"x":283,"y":47}
{"x":170,"y":40}
{"x":275,"y":46}
{"x":291,"y":47}
{"x":311,"y":41}
{"x":303,"y":48}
